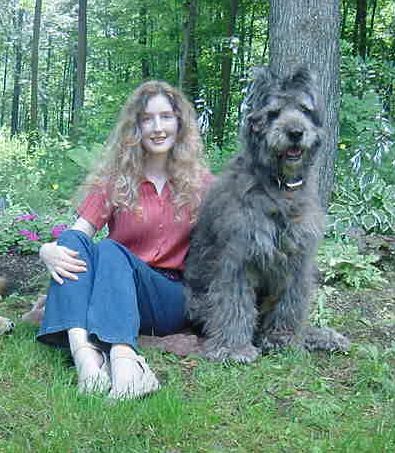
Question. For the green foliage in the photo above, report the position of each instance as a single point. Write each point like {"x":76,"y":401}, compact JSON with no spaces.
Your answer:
{"x":340,"y":262}
{"x":40,"y":180}
{"x":364,"y":192}
{"x":24,"y":232}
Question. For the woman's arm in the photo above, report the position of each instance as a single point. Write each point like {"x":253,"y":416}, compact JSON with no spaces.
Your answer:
{"x":62,"y":261}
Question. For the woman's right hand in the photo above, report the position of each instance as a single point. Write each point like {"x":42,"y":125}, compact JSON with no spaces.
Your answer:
{"x":61,"y":261}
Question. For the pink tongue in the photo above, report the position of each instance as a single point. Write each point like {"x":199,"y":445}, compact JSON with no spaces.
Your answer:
{"x":294,"y":152}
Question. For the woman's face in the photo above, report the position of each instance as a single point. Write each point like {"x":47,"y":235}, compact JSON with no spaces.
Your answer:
{"x":159,"y":125}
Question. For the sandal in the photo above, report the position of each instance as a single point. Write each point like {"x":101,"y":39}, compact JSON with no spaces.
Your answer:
{"x":140,"y":380}
{"x":97,"y":381}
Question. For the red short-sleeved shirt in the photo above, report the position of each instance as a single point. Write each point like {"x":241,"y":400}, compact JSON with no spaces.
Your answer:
{"x":154,"y":235}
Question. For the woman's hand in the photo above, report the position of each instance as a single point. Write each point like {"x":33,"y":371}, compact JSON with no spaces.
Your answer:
{"x":61,"y":261}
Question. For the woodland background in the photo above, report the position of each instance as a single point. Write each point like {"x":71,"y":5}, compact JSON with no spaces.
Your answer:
{"x":66,"y":67}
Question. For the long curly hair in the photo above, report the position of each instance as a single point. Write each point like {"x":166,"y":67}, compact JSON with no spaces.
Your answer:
{"x":120,"y":168}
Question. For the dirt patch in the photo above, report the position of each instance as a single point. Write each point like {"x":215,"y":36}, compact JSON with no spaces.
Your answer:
{"x":23,"y":274}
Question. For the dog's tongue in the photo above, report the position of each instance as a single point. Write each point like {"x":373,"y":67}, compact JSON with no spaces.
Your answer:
{"x":294,"y":152}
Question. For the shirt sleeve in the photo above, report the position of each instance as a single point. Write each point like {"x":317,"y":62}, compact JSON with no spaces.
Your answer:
{"x":95,"y":209}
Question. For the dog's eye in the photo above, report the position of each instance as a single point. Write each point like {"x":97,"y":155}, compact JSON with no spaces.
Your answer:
{"x":306,"y":110}
{"x":273,"y":114}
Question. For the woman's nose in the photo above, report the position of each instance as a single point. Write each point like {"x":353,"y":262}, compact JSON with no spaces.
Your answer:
{"x":157,"y":123}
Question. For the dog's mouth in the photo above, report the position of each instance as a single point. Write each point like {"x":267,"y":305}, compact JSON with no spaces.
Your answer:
{"x":293,"y":154}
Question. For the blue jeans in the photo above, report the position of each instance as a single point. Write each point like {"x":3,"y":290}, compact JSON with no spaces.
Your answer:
{"x":118,"y":297}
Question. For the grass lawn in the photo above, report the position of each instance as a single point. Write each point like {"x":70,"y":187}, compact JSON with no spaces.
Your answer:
{"x":286,"y":402}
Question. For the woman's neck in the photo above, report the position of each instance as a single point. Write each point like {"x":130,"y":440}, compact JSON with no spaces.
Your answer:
{"x":155,"y":171}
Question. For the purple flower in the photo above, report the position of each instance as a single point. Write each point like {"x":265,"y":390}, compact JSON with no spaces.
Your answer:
{"x":30,"y":235}
{"x":58,"y":229}
{"x":22,"y":217}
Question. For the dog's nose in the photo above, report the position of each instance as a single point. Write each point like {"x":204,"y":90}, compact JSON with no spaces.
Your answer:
{"x":295,"y":134}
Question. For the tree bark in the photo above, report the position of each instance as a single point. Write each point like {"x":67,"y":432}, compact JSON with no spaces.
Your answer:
{"x":18,"y":24}
{"x":188,"y":72}
{"x":145,"y":72}
{"x":33,"y":132}
{"x":4,"y":89}
{"x":226,"y":67}
{"x":308,"y":33}
{"x":359,"y":36}
{"x":46,"y":97}
{"x":79,"y":89}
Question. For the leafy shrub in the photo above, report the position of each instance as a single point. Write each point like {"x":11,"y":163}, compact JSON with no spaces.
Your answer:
{"x":24,"y":232}
{"x":340,"y":261}
{"x":42,"y":179}
{"x":364,"y":193}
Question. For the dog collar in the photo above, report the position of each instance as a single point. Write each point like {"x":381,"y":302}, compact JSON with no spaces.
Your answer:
{"x":290,"y":186}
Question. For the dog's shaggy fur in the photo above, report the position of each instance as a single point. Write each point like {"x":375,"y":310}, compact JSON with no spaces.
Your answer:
{"x":249,"y":269}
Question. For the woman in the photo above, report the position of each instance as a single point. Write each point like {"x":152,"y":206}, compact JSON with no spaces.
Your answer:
{"x":147,"y":190}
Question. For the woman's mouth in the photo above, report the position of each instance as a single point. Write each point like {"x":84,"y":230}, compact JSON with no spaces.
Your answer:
{"x":158,"y":140}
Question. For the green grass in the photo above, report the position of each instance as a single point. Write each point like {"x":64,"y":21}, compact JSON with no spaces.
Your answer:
{"x":288,"y":402}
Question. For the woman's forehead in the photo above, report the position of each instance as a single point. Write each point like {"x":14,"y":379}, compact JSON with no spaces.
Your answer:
{"x":158,"y":103}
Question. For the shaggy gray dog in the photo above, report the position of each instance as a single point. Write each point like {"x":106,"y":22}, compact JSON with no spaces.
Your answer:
{"x":249,"y":270}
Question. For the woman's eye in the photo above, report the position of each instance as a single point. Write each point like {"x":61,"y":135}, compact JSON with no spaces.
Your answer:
{"x":168,"y":116}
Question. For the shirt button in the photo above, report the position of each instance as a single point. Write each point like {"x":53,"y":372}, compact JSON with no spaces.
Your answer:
{"x":161,"y":226}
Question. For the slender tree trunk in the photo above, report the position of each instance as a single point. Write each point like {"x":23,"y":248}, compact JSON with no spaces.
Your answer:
{"x":371,"y":27}
{"x":226,"y":66}
{"x":63,"y":95}
{"x":3,"y":92}
{"x":359,"y":35}
{"x":46,"y":100}
{"x":33,"y":127}
{"x":308,"y":33}
{"x":18,"y":24}
{"x":145,"y":73}
{"x":188,"y":72}
{"x":79,"y":88}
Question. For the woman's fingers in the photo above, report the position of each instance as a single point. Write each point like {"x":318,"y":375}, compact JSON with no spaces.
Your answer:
{"x":56,"y":277}
{"x":64,"y":273}
{"x":69,"y":256}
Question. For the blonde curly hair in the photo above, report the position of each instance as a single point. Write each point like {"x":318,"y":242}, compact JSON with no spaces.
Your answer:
{"x":120,"y":170}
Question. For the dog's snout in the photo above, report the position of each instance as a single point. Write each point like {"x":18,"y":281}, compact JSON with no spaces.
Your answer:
{"x":295,"y":134}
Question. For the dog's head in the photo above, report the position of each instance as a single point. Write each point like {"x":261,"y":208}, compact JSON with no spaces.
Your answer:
{"x":283,"y":124}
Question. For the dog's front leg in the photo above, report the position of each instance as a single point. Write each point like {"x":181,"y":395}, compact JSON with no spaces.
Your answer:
{"x":230,"y":319}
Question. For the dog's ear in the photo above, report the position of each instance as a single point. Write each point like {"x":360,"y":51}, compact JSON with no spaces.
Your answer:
{"x":260,"y":79}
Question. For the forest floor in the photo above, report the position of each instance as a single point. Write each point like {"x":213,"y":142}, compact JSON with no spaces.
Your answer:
{"x":289,"y":401}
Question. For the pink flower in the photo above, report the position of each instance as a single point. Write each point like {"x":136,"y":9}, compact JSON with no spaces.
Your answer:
{"x":30,"y":235}
{"x":22,"y":217}
{"x":58,"y":229}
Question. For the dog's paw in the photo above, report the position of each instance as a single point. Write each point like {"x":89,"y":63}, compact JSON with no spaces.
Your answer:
{"x":245,"y":354}
{"x":325,"y":339}
{"x":242,"y":354}
{"x":276,"y":341}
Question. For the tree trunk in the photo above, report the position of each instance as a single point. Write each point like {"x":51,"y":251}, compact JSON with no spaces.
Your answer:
{"x":359,"y":36}
{"x":371,"y":27}
{"x":3,"y":92}
{"x":188,"y":73}
{"x":18,"y":24}
{"x":33,"y":132}
{"x":46,"y":99}
{"x":226,"y":66}
{"x":79,"y":88}
{"x":308,"y":33}
{"x":145,"y":73}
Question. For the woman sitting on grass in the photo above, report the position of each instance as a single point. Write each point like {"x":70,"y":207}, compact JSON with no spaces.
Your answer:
{"x":101,"y":296}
